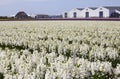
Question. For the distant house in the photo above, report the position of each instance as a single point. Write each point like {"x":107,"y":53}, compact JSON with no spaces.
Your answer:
{"x":41,"y":16}
{"x":94,"y":12}
{"x":56,"y":16}
{"x":21,"y":15}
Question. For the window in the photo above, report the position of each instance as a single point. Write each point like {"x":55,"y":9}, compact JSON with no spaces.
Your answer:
{"x":101,"y":14}
{"x":87,"y":14}
{"x":65,"y":15}
{"x":75,"y":15}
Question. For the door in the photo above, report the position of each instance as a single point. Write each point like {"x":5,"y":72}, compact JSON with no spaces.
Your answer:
{"x":101,"y":14}
{"x":65,"y":15}
{"x":87,"y":14}
{"x":75,"y":15}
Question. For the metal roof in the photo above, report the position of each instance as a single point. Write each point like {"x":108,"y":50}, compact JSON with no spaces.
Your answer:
{"x":112,"y":7}
{"x":80,"y":8}
{"x":108,"y":7}
{"x":93,"y":8}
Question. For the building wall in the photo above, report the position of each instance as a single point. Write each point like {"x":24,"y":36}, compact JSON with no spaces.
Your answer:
{"x":105,"y":11}
{"x":80,"y":13}
{"x":83,"y":12}
{"x":92,"y":13}
{"x":41,"y":16}
{"x":70,"y":13}
{"x":63,"y":14}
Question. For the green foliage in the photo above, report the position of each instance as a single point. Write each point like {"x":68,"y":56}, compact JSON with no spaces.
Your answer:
{"x":102,"y":75}
{"x":1,"y":76}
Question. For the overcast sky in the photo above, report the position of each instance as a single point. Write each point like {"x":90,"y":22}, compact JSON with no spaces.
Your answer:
{"x":11,"y":7}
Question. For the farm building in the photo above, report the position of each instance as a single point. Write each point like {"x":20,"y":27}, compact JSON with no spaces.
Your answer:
{"x":94,"y":12}
{"x":41,"y":16}
{"x":56,"y":16}
{"x":21,"y":15}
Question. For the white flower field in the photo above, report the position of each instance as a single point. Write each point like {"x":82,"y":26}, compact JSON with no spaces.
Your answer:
{"x":59,"y":50}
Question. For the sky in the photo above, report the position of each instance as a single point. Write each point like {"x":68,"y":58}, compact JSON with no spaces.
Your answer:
{"x":51,"y":7}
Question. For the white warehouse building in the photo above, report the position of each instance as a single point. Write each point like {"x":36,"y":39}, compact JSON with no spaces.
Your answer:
{"x":92,"y":12}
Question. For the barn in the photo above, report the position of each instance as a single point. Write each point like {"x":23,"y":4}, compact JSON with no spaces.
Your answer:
{"x":21,"y":15}
{"x":94,"y":12}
